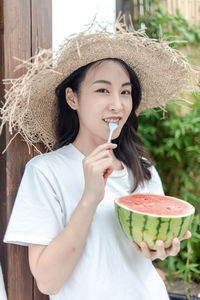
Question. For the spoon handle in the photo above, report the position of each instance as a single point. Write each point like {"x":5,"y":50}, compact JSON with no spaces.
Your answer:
{"x":110,"y":136}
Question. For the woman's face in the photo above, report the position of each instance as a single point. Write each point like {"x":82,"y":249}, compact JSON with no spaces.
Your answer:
{"x":105,"y":95}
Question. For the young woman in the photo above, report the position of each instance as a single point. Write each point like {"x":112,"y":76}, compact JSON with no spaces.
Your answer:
{"x":64,"y":210}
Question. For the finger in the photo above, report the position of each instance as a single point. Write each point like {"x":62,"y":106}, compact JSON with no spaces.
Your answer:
{"x":161,"y":253}
{"x":104,"y":166}
{"x":89,"y":160}
{"x":174,"y":249}
{"x":97,"y":169}
{"x":136,"y":247}
{"x":145,"y":250}
{"x":107,"y":173}
{"x":188,"y":235}
{"x":105,"y":146}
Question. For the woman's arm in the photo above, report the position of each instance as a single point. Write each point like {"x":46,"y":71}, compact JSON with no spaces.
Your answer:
{"x":51,"y":265}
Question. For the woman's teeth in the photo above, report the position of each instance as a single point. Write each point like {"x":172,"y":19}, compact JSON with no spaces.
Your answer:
{"x":111,"y":120}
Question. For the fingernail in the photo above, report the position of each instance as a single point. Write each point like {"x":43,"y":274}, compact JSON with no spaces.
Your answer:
{"x":159,"y":243}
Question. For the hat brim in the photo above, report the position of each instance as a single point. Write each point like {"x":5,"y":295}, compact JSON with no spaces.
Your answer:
{"x":162,"y":71}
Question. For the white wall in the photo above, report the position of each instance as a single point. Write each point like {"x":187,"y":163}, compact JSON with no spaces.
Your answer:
{"x":70,"y":16}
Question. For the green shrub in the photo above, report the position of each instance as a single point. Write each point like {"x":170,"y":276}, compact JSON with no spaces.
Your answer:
{"x":173,"y":27}
{"x":173,"y":143}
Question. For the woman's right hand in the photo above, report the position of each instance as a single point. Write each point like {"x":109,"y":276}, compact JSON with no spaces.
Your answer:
{"x":97,"y":166}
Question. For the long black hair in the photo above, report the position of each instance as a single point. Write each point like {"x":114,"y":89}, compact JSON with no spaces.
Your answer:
{"x":130,"y":150}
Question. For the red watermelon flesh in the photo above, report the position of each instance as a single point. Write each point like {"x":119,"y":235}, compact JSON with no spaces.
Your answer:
{"x":156,"y":205}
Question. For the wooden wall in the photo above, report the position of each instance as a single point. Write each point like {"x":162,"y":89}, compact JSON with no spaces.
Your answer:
{"x":190,"y":9}
{"x":25,"y":25}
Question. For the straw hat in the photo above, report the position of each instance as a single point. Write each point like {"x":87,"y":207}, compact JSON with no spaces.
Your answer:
{"x":30,"y":103}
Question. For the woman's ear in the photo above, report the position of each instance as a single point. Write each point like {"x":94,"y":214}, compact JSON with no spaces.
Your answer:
{"x":71,"y":98}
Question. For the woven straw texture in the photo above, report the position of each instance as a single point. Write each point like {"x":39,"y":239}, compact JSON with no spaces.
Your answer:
{"x":30,"y":105}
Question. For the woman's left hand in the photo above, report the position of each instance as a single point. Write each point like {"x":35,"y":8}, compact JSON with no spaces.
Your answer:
{"x":160,"y":251}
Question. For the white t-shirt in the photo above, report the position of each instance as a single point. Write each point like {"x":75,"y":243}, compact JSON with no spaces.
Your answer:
{"x":109,"y":267}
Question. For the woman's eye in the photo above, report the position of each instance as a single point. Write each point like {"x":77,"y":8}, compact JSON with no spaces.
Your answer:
{"x":126,"y":92}
{"x":102,"y":91}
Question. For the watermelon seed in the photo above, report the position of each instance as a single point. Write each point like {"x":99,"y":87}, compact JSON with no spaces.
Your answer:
{"x":168,"y":208}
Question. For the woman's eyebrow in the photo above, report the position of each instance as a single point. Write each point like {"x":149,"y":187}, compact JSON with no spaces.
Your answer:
{"x":127,"y":83}
{"x":108,"y":82}
{"x":102,"y":81}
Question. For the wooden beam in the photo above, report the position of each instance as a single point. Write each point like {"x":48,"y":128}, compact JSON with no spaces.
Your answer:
{"x":25,"y":25}
{"x":41,"y":38}
{"x":41,"y":24}
{"x":16,"y":41}
{"x":125,"y":7}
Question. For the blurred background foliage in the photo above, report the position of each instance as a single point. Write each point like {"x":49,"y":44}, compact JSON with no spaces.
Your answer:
{"x":173,"y":138}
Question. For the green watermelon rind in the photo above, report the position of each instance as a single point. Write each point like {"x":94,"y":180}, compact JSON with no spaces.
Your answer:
{"x":139,"y":227}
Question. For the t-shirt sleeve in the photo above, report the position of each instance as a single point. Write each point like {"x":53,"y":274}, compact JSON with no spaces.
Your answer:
{"x":155,"y":184}
{"x":37,"y":215}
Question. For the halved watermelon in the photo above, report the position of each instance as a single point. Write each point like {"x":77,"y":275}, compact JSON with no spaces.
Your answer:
{"x":146,"y":217}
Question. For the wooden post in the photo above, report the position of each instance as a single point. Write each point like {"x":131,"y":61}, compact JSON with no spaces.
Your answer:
{"x":190,"y":9}
{"x":140,"y":8}
{"x":25,"y":25}
{"x":125,"y":7}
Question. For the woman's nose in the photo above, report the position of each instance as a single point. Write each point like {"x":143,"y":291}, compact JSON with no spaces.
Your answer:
{"x":116,"y":103}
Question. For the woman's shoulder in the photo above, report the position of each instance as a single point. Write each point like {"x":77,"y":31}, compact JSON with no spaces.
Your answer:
{"x":155,"y":183}
{"x":152,"y":167}
{"x":154,"y":171}
{"x":52,"y":158}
